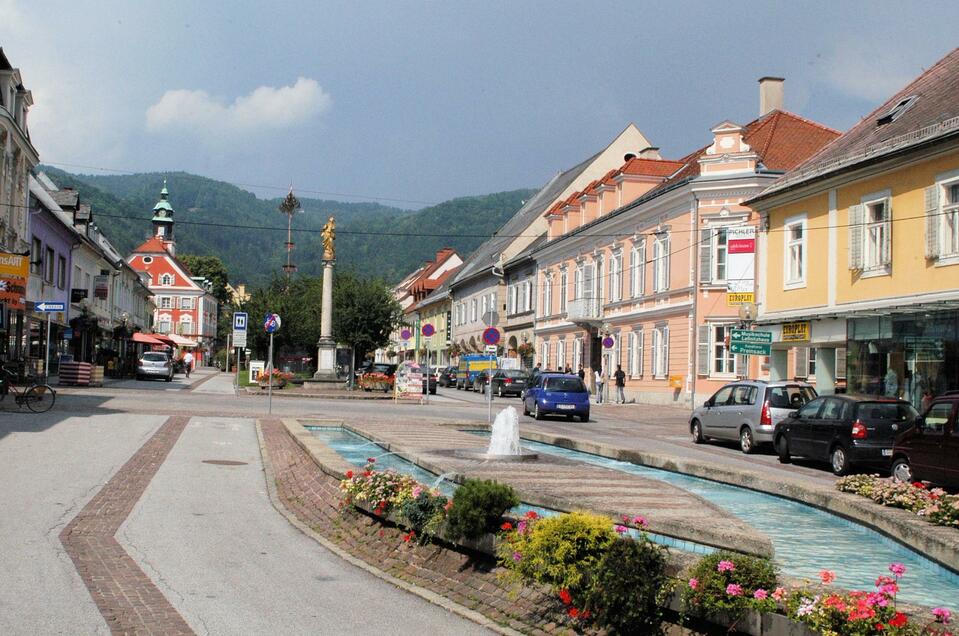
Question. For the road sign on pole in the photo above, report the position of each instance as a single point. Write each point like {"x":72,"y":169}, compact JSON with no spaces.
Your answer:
{"x":750,"y":343}
{"x":271,"y":324}
{"x":240,"y":322}
{"x":428,"y":330}
{"x":491,"y":336}
{"x":50,"y":306}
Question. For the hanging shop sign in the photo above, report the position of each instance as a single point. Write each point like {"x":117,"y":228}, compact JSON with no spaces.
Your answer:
{"x":101,"y":287}
{"x":14,"y":269}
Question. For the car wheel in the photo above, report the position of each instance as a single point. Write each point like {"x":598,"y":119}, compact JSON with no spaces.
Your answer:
{"x":746,"y":442}
{"x":782,"y":449}
{"x":839,"y":460}
{"x":697,"y":432}
{"x":584,"y":417}
{"x":536,"y":412}
{"x":569,"y":418}
{"x":902,"y":471}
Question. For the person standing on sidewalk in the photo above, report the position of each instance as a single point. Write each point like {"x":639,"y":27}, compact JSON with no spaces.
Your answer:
{"x":620,"y":377}
{"x":188,"y":363}
{"x":599,"y":377}
{"x":581,"y":373}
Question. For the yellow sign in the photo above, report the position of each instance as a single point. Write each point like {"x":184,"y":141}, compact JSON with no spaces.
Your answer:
{"x":796,"y":331}
{"x":14,"y":270}
{"x":739,"y":298}
{"x":676,"y":381}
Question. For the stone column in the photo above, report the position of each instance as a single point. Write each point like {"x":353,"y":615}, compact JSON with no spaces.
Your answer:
{"x":326,"y":347}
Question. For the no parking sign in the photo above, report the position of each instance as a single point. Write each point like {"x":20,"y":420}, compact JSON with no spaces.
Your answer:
{"x":271,"y":324}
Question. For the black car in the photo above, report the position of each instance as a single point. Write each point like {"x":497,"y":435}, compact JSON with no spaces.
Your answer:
{"x":447,"y":377}
{"x":845,"y":430}
{"x":930,"y":450}
{"x":508,"y":382}
{"x":432,"y":383}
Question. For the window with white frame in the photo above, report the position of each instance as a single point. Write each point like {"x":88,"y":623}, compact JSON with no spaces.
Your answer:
{"x":186,"y":302}
{"x":166,"y":302}
{"x":811,"y":363}
{"x":563,"y":290}
{"x":473,"y":307}
{"x":186,"y":325}
{"x":511,"y":299}
{"x":36,"y":256}
{"x":660,"y":361}
{"x":485,"y":305}
{"x":544,"y":354}
{"x":634,"y":354}
{"x":877,"y":227}
{"x":637,"y":265}
{"x":548,"y":295}
{"x":166,"y":279}
{"x":578,"y":283}
{"x":720,"y":250}
{"x":616,"y":277}
{"x":561,"y":355}
{"x":577,"y":353}
{"x":724,"y":361}
{"x":795,"y":251}
{"x":492,"y":302}
{"x":528,"y":296}
{"x":661,"y":262}
{"x":949,"y":224}
{"x":164,"y":324}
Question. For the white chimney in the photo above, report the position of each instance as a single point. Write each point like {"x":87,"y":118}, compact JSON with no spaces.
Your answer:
{"x":770,"y":94}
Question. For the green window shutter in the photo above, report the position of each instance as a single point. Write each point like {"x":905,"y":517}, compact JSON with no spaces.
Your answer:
{"x":706,"y":256}
{"x":702,"y":350}
{"x":932,"y":221}
{"x":885,"y":250}
{"x":855,"y":237}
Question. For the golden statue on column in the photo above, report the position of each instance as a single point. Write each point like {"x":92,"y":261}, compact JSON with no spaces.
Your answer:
{"x":329,"y":235}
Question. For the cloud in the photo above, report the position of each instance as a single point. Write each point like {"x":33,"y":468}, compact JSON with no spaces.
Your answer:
{"x":265,"y":107}
{"x":869,"y":71}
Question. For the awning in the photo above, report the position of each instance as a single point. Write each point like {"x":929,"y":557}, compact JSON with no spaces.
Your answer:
{"x":164,"y":339}
{"x":180,"y":341}
{"x":147,"y":339}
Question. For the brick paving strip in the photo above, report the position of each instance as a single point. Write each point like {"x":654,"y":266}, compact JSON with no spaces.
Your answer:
{"x":124,"y":594}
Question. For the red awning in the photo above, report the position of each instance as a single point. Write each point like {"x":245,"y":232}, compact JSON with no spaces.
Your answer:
{"x":148,"y":339}
{"x":163,"y":340}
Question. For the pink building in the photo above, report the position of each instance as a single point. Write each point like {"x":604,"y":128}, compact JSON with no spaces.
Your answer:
{"x":653,"y":257}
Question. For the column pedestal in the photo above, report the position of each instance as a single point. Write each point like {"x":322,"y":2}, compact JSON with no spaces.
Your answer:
{"x":326,"y":347}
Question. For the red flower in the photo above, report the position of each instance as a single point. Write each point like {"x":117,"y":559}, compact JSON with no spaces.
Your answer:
{"x":880,"y":627}
{"x":573,"y":612}
{"x":586,"y":614}
{"x":918,"y":484}
{"x":899,"y":620}
{"x":565,"y":596}
{"x":370,"y":460}
{"x":506,"y":526}
{"x":408,"y":537}
{"x":531,"y":514}
{"x":367,"y":473}
{"x":349,"y":474}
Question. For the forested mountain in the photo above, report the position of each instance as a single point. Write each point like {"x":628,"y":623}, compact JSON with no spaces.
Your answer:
{"x":217,"y":218}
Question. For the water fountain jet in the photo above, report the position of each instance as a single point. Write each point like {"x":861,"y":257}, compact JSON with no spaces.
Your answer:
{"x":504,"y":444}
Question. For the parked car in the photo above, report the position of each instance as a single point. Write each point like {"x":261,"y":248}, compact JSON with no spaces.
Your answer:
{"x":556,"y":393}
{"x":432,"y":383}
{"x":504,"y":382}
{"x":470,"y":365}
{"x":929,"y":450}
{"x":447,"y":377}
{"x":748,"y":411}
{"x":379,"y":377}
{"x":845,"y":430}
{"x":155,"y":364}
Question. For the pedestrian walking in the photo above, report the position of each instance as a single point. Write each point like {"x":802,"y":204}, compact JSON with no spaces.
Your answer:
{"x":188,"y":363}
{"x":581,"y":373}
{"x":620,"y":377}
{"x":599,"y":377}
{"x":535,"y":373}
{"x":569,"y":370}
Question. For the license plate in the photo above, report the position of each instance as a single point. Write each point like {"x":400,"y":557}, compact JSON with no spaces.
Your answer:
{"x":887,"y":452}
{"x":565,"y":407}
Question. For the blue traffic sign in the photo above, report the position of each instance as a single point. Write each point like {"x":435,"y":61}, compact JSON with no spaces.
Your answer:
{"x":239,"y":320}
{"x":271,"y":324}
{"x":48,"y":306}
{"x":491,"y":336}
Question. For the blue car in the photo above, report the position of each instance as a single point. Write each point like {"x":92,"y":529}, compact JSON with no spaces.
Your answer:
{"x":555,"y":393}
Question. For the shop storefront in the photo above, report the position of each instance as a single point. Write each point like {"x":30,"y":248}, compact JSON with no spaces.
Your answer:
{"x":909,"y":355}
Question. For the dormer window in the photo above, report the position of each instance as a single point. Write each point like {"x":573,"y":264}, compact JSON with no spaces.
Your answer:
{"x":166,"y":279}
{"x":897,"y":110}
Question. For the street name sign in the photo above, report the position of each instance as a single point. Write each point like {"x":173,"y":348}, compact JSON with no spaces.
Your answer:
{"x":491,"y":350}
{"x":49,"y":306}
{"x":750,"y":343}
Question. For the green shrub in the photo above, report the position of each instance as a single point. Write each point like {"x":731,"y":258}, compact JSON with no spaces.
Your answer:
{"x":626,"y":585}
{"x":557,"y":551}
{"x":727,"y":582}
{"x":478,"y":505}
{"x":425,"y":512}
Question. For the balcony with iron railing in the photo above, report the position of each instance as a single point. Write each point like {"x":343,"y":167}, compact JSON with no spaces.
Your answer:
{"x":585,"y":311}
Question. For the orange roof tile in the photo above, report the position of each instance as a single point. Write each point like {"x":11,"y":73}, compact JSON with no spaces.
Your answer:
{"x":650,"y":167}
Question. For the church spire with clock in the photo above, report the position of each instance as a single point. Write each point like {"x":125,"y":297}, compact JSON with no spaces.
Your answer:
{"x":163,"y":220}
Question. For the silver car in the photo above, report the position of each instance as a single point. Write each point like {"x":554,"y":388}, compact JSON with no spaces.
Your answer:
{"x":155,"y":364}
{"x":748,"y":411}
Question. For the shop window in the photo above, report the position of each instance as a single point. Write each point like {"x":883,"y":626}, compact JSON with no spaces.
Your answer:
{"x":795,"y":252}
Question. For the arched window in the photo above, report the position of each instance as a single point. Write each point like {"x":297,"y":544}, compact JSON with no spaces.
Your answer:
{"x":186,"y":325}
{"x":164,"y":323}
{"x":166,"y":279}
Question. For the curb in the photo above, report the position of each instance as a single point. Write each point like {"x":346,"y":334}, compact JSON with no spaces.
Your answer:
{"x":425,"y":594}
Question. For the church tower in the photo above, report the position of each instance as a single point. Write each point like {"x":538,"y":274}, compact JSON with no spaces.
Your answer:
{"x":163,"y":220}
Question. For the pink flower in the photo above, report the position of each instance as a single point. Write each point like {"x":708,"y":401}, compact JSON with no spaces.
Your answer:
{"x":370,"y":460}
{"x":448,"y":505}
{"x":693,"y":584}
{"x":734,"y":589}
{"x":640,"y":521}
{"x":942,"y":615}
{"x":779,"y":593}
{"x":725,"y":566}
{"x":760,"y":595}
{"x":417,"y":491}
{"x":827,"y":576}
{"x":517,"y":556}
{"x":620,"y":529}
{"x":521,"y":527}
{"x":898,"y":569}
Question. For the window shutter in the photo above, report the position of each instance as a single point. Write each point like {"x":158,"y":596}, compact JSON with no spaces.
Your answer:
{"x":932,"y":221}
{"x":665,"y":351}
{"x":654,"y":358}
{"x":885,"y":251}
{"x":702,"y":350}
{"x":855,"y":237}
{"x":841,"y":363}
{"x":801,"y":362}
{"x":639,"y":353}
{"x":666,"y":263}
{"x":630,"y":352}
{"x":706,"y":256}
{"x":641,"y":267}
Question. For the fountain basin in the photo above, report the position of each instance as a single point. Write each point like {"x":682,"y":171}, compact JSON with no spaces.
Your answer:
{"x":484,"y":456}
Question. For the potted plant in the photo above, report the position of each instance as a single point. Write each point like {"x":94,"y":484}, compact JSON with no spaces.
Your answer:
{"x":280,"y":379}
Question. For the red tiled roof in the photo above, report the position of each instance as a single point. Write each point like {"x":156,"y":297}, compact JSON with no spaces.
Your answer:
{"x":608,"y":178}
{"x":153,"y":245}
{"x":650,"y":167}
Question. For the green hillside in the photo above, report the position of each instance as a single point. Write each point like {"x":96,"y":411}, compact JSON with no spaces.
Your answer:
{"x":217,"y":218}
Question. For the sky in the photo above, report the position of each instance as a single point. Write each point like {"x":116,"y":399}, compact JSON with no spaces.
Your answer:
{"x":411,"y":103}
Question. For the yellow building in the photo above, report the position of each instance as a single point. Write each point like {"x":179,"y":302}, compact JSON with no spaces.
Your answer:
{"x":435,"y":310}
{"x":861,"y":251}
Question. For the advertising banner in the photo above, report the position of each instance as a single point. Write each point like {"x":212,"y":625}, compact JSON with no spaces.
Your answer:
{"x":14,"y":270}
{"x":409,"y":381}
{"x":101,"y":287}
{"x":741,"y":259}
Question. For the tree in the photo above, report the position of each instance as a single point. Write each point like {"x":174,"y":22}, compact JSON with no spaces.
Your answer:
{"x":364,"y":313}
{"x":299,"y":309}
{"x":212,"y":269}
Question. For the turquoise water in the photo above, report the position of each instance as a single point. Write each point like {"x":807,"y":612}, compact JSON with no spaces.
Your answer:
{"x":356,"y":449}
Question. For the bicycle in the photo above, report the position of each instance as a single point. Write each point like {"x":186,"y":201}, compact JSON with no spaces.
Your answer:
{"x":39,"y":398}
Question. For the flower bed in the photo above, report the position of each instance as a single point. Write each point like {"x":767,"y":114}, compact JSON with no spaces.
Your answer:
{"x":932,"y":504}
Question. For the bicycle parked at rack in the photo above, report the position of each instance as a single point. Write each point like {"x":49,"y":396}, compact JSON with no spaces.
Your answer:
{"x":37,"y":396}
